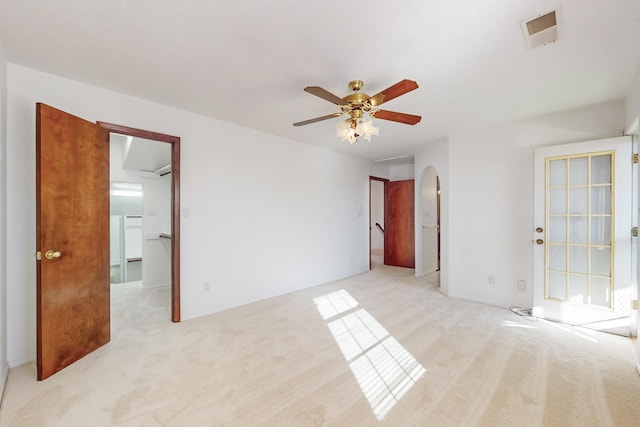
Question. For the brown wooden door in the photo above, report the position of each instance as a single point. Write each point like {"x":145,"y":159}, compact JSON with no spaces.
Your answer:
{"x":72,"y":222}
{"x":399,"y":237}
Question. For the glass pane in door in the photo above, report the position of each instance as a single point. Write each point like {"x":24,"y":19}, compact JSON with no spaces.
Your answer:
{"x":578,"y":289}
{"x":557,"y":229}
{"x":557,"y":288}
{"x":557,"y":172}
{"x":558,"y":257}
{"x":578,"y":260}
{"x":579,"y":167}
{"x":558,"y":201}
{"x":578,"y":231}
{"x":601,"y":169}
{"x":579,"y":228}
{"x":601,"y":200}
{"x":578,"y":201}
{"x":600,"y":292}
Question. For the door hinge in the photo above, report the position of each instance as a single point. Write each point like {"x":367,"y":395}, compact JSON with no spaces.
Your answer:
{"x":634,"y":231}
{"x":634,"y":158}
{"x":634,"y":304}
{"x":38,"y":256}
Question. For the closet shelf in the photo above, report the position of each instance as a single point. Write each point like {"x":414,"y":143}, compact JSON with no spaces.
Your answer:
{"x":157,"y":236}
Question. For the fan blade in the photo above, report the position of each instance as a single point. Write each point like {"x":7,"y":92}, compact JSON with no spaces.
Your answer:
{"x":407,"y":119}
{"x":317,"y":119}
{"x":325,"y":94}
{"x":394,"y":91}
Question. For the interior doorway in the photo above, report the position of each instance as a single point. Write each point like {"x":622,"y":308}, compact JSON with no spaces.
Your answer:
{"x":140,"y":232}
{"x":430,"y":223}
{"x":391,"y":222}
{"x":156,"y":232}
{"x":376,"y":221}
{"x":72,"y":228}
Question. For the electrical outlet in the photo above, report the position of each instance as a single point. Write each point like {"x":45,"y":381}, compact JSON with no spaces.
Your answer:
{"x":522,"y":285}
{"x":206,"y":287}
{"x":492,"y":279}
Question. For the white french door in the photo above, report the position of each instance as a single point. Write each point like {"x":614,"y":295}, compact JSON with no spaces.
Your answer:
{"x":582,"y":231}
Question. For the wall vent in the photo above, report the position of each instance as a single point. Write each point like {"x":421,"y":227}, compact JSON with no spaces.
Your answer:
{"x":540,"y":30}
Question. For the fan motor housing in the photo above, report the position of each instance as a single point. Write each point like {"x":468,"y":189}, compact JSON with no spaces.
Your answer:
{"x":356,"y":85}
{"x":356,"y":98}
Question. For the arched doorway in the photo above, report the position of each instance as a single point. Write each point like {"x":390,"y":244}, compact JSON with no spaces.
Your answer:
{"x":430,"y":222}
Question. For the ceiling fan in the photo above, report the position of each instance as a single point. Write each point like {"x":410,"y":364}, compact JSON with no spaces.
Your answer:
{"x":357,"y":104}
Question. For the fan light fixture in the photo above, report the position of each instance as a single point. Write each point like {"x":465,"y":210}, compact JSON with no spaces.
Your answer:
{"x":351,"y":129}
{"x":356,"y":105}
{"x":355,"y":126}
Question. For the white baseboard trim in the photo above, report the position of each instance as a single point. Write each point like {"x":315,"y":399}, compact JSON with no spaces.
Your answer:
{"x":426,"y":272}
{"x":19,"y":362}
{"x":3,"y":379}
{"x":156,"y":285}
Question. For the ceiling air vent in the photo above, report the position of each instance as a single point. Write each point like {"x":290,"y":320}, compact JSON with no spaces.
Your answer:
{"x":540,"y":30}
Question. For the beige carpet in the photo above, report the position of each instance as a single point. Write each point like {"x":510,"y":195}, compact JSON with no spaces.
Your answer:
{"x":381,"y":348}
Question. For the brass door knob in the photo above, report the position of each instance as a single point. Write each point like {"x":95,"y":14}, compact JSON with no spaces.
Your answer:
{"x":51,"y":254}
{"x":539,"y":241}
{"x":539,"y":230}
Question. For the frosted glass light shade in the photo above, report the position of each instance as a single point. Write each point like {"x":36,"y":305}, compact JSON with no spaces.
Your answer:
{"x":363,"y":128}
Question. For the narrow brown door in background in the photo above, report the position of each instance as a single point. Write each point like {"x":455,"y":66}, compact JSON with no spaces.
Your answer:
{"x":399,"y":237}
{"x":72,"y":233}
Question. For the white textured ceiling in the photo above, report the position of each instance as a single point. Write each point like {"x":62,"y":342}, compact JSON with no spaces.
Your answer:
{"x":247,"y":61}
{"x":146,"y":155}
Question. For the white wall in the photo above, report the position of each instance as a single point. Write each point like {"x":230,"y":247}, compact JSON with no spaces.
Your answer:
{"x":632,"y":126}
{"x":401,"y":172}
{"x":3,"y":224}
{"x":490,"y":195}
{"x":156,"y":252}
{"x":267,"y":215}
{"x":632,"y":106}
{"x":116,"y":159}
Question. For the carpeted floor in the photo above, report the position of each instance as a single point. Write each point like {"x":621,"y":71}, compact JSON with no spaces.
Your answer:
{"x":381,"y":348}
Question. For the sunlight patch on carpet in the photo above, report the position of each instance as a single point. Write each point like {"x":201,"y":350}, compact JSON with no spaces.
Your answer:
{"x":335,"y":303}
{"x":383,"y":368}
{"x":513,"y":324}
